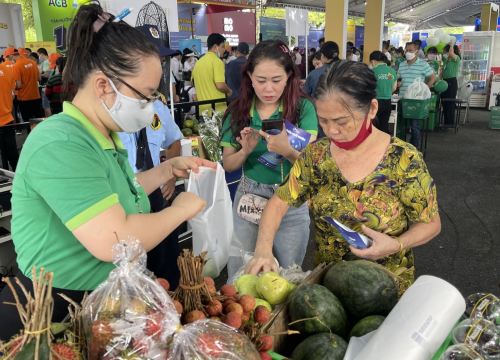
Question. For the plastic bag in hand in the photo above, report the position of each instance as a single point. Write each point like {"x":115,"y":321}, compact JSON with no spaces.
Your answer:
{"x":211,"y":340}
{"x":130,"y":313}
{"x":418,"y":90}
{"x":213,"y":227}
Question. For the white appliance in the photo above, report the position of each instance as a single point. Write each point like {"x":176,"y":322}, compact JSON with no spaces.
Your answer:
{"x":477,"y":57}
{"x":495,"y":90}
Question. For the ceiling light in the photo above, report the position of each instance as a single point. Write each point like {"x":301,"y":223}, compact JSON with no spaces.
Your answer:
{"x":447,"y":10}
{"x":365,"y":3}
{"x":411,"y":9}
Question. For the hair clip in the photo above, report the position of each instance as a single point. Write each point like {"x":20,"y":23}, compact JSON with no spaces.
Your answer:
{"x":101,"y":20}
{"x":124,"y":13}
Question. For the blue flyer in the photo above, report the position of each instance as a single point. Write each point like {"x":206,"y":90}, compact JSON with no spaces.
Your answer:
{"x":354,"y":238}
{"x":298,"y":139}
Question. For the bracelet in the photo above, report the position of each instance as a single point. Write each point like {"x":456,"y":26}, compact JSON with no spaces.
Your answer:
{"x":401,"y":246}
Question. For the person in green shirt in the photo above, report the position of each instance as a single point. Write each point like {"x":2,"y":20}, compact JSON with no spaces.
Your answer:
{"x":270,"y":90}
{"x":74,"y":193}
{"x":386,"y":85}
{"x":432,"y":60}
{"x":451,"y":67}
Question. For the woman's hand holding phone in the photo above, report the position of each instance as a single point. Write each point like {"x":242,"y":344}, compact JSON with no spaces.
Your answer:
{"x":278,"y":143}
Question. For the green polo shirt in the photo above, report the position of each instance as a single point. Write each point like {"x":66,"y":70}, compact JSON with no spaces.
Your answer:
{"x":253,"y":169}
{"x":386,"y":78}
{"x":451,"y":67}
{"x":68,"y":173}
{"x":434,"y":64}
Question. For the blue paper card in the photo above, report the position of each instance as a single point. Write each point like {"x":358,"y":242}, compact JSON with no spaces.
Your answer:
{"x":297,"y":137}
{"x":354,"y":238}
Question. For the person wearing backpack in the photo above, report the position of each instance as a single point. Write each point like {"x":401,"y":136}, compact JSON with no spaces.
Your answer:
{"x":187,"y":94}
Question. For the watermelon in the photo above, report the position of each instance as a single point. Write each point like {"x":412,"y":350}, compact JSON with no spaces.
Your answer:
{"x":322,"y":309}
{"x":364,"y":287}
{"x":366,"y":325}
{"x":323,"y":346}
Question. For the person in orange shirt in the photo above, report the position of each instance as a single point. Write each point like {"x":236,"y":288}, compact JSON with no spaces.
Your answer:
{"x":10,"y":55}
{"x":8,"y":146}
{"x":30,"y":101}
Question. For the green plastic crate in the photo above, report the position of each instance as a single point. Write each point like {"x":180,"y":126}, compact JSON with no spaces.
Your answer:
{"x":433,"y":103}
{"x":495,"y":117}
{"x":415,"y":109}
{"x":495,"y":124}
{"x":495,"y":111}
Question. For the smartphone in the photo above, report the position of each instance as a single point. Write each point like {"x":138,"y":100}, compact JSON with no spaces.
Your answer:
{"x":272,"y":125}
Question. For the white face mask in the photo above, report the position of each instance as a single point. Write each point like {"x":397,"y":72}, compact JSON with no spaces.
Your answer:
{"x":130,"y":114}
{"x":431,"y":57}
{"x":410,"y":56}
{"x":445,"y":56}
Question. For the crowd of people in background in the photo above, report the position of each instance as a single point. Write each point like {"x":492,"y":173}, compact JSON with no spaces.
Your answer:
{"x":32,"y":81}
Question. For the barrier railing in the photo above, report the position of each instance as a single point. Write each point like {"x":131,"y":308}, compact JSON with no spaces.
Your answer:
{"x":197,"y":105}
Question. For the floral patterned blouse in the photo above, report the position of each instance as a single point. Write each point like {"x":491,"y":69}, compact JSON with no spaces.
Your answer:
{"x":398,"y":193}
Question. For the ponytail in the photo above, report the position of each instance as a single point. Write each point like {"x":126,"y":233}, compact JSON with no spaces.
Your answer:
{"x":96,"y":42}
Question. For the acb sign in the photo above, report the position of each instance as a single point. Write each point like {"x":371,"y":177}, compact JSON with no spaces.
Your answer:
{"x":58,"y":3}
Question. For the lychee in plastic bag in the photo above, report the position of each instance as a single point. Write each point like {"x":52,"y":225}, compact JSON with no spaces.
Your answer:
{"x":211,"y":340}
{"x":129,"y":314}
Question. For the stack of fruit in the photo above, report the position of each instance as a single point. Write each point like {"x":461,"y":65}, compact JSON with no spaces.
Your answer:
{"x":352,"y":301}
{"x":190,"y":127}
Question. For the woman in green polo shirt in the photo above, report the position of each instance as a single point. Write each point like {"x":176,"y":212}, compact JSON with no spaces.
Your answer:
{"x":74,"y":193}
{"x":386,"y":85}
{"x":451,"y":67}
{"x":270,"y":90}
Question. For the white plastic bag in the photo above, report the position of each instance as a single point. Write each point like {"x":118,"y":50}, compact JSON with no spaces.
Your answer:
{"x":418,"y":90}
{"x":212,"y":228}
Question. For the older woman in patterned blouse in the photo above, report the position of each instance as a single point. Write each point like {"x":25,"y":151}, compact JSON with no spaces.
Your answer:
{"x":360,"y":176}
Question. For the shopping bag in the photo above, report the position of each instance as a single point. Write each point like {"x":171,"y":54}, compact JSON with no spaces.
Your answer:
{"x":418,"y":90}
{"x":213,"y":228}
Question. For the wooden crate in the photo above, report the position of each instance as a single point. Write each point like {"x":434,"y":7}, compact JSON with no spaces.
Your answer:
{"x":278,"y":325}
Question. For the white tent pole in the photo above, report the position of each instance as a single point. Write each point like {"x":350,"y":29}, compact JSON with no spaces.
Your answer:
{"x":170,"y":80}
{"x":307,"y":50}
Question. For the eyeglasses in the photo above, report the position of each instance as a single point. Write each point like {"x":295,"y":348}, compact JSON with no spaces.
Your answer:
{"x":156,"y":95}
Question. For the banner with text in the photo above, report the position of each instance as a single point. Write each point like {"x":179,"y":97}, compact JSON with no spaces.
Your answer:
{"x":192,"y":21}
{"x":52,"y":17}
{"x":236,"y":26}
{"x":272,"y":29}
